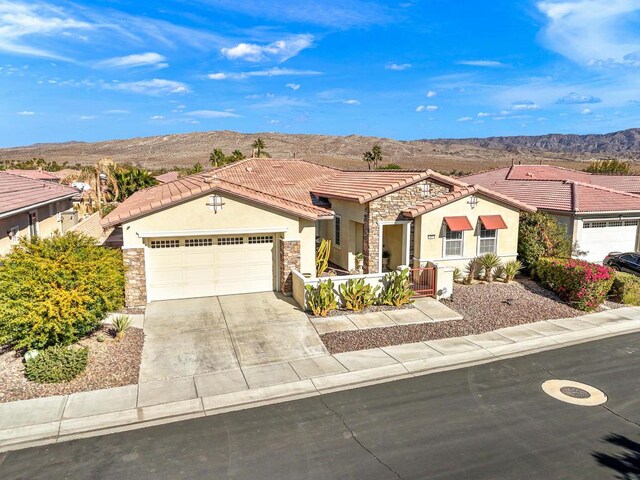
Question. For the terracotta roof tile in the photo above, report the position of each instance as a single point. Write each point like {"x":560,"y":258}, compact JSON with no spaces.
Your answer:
{"x":168,"y":177}
{"x":34,"y":174}
{"x":17,"y":192}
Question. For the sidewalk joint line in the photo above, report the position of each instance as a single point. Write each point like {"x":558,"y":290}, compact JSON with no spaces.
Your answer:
{"x":235,"y":350}
{"x":621,"y":416}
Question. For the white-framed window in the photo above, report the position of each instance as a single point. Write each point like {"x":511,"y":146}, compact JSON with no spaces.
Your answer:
{"x":261,"y":239}
{"x":198,"y":242}
{"x":165,"y":243}
{"x":453,"y":243}
{"x":337,"y":230}
{"x":425,"y":189}
{"x":230,"y":241}
{"x":487,"y":241}
{"x":14,"y":234}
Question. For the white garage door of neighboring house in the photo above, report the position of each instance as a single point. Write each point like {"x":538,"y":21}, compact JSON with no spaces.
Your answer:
{"x":600,"y":237}
{"x":206,"y":266}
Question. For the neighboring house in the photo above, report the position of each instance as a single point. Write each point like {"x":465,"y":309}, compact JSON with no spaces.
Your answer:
{"x":32,"y":207}
{"x":245,"y":227}
{"x":600,"y":212}
{"x":35,"y":175}
{"x":168,"y":177}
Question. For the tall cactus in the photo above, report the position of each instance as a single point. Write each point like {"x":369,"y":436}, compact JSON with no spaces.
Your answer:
{"x":322,"y":256}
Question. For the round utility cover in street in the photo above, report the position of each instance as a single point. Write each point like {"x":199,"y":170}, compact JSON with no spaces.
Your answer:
{"x":575,"y":393}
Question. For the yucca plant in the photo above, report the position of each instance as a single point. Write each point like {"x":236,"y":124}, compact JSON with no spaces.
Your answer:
{"x":121,"y":324}
{"x":489,"y":262}
{"x":457,"y":275}
{"x":397,"y":290}
{"x":472,"y":271}
{"x":321,"y":299}
{"x":357,"y":295}
{"x":511,"y":269}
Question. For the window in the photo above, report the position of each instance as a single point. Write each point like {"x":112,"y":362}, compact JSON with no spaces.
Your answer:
{"x":487,"y":242}
{"x":425,"y":189}
{"x":631,"y":223}
{"x":595,"y":225}
{"x":615,"y":224}
{"x":337,"y":230}
{"x":165,"y":243}
{"x":198,"y":242}
{"x":230,"y":241}
{"x":453,"y":243}
{"x":261,"y":239}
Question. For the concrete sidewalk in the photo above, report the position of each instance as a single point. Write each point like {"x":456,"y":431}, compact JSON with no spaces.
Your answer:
{"x":54,"y":419}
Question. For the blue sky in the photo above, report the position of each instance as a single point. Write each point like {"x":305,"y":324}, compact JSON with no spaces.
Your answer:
{"x":93,"y":70}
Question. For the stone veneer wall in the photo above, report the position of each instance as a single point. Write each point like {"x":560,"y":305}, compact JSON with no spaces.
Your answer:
{"x":289,"y":259}
{"x":389,"y":208}
{"x":135,"y":287}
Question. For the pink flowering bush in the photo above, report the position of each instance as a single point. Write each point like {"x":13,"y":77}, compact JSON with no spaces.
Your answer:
{"x":584,"y":285}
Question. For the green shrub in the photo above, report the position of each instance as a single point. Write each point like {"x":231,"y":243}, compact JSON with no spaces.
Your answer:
{"x":626,"y":288}
{"x":321,"y":299}
{"x":511,"y":269}
{"x":356,"y":294}
{"x":457,"y":275}
{"x":56,"y":290}
{"x":489,"y":262}
{"x":541,"y":236}
{"x":585,"y":285}
{"x":397,"y":289}
{"x":57,"y":364}
{"x":121,"y":324}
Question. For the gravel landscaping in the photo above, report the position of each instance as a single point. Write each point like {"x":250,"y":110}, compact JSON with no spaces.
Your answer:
{"x":112,"y":363}
{"x":485,"y":307}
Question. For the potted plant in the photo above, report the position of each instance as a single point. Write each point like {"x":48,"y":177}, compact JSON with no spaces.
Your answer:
{"x":359,"y":261}
{"x":386,"y":255}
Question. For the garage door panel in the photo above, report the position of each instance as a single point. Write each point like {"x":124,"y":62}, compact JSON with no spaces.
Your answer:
{"x":599,"y":238}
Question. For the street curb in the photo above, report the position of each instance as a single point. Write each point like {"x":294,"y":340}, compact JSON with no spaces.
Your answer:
{"x":67,"y":429}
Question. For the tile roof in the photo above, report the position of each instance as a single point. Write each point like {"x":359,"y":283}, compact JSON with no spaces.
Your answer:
{"x":364,"y":186}
{"x":17,"y":192}
{"x":168,"y":177}
{"x":461,"y":192}
{"x":562,"y":189}
{"x":34,"y":174}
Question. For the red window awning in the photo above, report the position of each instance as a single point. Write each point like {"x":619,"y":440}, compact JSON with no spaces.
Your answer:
{"x":458,"y":224}
{"x":493,"y":222}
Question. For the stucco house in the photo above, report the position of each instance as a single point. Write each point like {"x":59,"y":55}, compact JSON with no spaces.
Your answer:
{"x":601,"y":212}
{"x":30,"y":207}
{"x":251,"y":226}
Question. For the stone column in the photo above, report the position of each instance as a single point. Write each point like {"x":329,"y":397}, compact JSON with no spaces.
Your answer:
{"x":289,"y":259}
{"x":135,"y":287}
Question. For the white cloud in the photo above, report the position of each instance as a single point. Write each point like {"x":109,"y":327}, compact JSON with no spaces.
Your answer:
{"x":269,"y":72}
{"x":26,"y":113}
{"x":157,"y":117}
{"x":274,"y":122}
{"x":573,"y":98}
{"x":117,"y":111}
{"x":426,"y":108}
{"x":525,"y":105}
{"x":156,"y":86}
{"x":431,"y":94}
{"x":280,"y":50}
{"x":293,"y":86}
{"x":212,"y":114}
{"x":149,"y":59}
{"x":465,"y":119}
{"x":586,"y":111}
{"x":88,"y":117}
{"x":398,"y":66}
{"x":593,"y":32}
{"x":481,"y":63}
{"x":351,"y":101}
{"x":484,"y":114}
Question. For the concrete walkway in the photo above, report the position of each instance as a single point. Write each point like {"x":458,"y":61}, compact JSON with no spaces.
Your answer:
{"x":53,"y":419}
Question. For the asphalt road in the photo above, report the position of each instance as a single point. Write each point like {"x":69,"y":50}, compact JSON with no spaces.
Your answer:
{"x":487,"y":422}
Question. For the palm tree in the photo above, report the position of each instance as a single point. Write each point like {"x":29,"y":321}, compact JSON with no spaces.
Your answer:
{"x":237,"y":155}
{"x":259,"y":149}
{"x":100,"y":183}
{"x":131,"y":179}
{"x":373,"y":157}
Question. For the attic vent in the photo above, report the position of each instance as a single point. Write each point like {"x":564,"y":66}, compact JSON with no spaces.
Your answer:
{"x":529,"y":174}
{"x":249,"y":169}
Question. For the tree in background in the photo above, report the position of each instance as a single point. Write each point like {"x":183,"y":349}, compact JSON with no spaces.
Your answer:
{"x":219,"y":159}
{"x":373,"y":157}
{"x":99,"y":185}
{"x":540,"y":236}
{"x":237,"y":155}
{"x":259,"y":149}
{"x":609,"y":167}
{"x":33,"y":164}
{"x":390,"y":166}
{"x":131,"y":179}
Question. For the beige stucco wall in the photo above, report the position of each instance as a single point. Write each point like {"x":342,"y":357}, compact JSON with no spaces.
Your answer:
{"x":350,"y":213}
{"x":47,"y":224}
{"x":431,"y":223}
{"x":236,"y":213}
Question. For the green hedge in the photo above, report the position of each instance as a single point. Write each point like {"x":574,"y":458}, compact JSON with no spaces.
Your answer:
{"x":626,"y":288}
{"x":57,"y":364}
{"x":56,"y":290}
{"x":584,"y":285}
{"x":540,"y":236}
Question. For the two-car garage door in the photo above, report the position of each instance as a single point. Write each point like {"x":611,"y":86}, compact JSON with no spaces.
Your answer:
{"x":206,"y":266}
{"x":600,"y":237}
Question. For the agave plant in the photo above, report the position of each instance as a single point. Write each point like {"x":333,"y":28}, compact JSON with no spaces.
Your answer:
{"x":121,"y":324}
{"x":489,"y":262}
{"x":472,"y":271}
{"x":457,"y":275}
{"x":511,"y":269}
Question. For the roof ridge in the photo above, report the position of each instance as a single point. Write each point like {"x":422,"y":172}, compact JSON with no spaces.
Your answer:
{"x":600,"y":187}
{"x":42,"y":183}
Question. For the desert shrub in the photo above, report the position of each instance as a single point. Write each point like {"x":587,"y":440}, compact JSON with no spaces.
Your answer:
{"x":57,"y":364}
{"x":541,"y":236}
{"x":489,"y":263}
{"x":585,"y":285}
{"x":56,"y":290}
{"x":510,"y":270}
{"x":321,"y":299}
{"x":626,"y":288}
{"x":121,"y":324}
{"x":610,"y":166}
{"x":397,"y":289}
{"x":471,"y":271}
{"x":356,"y":294}
{"x":457,"y":275}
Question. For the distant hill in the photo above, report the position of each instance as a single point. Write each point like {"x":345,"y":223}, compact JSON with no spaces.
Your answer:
{"x":445,"y":155}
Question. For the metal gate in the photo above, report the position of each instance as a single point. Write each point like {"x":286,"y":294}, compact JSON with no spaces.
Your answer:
{"x":423,"y":281}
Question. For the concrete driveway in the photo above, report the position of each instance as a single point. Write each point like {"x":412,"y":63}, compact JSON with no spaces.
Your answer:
{"x":215,"y":334}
